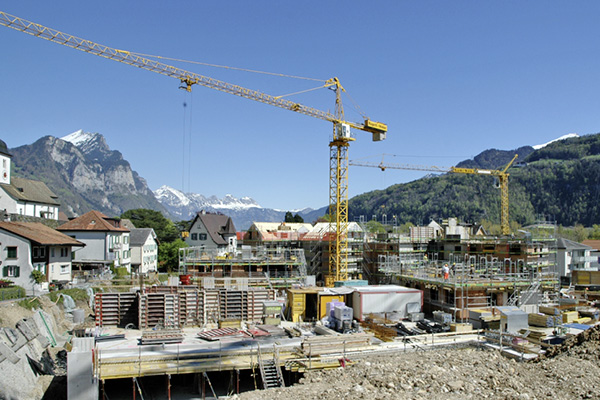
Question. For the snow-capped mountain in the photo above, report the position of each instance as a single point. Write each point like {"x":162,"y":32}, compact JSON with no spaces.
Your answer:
{"x":567,"y":136}
{"x":85,"y":173}
{"x":243,"y":211}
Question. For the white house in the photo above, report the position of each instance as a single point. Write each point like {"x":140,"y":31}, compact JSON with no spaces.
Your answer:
{"x":28,"y":246}
{"x":215,"y":232}
{"x":572,"y":256}
{"x":24,"y":196}
{"x":144,"y":250}
{"x":106,"y":242}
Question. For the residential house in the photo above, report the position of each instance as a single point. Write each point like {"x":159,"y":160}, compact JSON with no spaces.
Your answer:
{"x":595,"y":245}
{"x":107,"y":242}
{"x":29,"y":246}
{"x":24,"y":196}
{"x":572,"y":256}
{"x":143,"y":245}
{"x":215,"y":232}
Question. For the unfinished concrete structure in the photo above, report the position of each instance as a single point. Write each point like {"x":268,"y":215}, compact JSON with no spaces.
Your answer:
{"x":485,"y":271}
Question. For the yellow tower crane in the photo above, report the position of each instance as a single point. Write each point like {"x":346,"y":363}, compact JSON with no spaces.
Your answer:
{"x":501,"y":175}
{"x":338,"y":163}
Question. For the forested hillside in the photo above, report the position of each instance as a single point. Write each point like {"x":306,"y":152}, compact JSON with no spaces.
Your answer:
{"x":561,"y":180}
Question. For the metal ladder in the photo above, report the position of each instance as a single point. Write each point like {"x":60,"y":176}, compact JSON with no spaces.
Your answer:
{"x":270,"y":371}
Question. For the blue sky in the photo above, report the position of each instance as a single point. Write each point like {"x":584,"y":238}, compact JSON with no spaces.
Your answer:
{"x":450,"y":79}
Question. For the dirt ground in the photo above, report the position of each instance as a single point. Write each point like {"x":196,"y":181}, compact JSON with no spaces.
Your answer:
{"x":571,"y":372}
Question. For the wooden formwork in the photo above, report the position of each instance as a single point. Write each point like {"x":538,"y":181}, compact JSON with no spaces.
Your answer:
{"x":115,"y":309}
{"x":159,"y":309}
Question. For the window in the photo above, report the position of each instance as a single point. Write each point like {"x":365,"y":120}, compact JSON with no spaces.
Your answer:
{"x":203,"y":236}
{"x":39,"y":252}
{"x":40,"y":267}
{"x":125,"y":239}
{"x":52,"y":252}
{"x":194,"y":236}
{"x":64,"y":269}
{"x":11,"y":271}
{"x":64,"y":252}
{"x":11,"y":252}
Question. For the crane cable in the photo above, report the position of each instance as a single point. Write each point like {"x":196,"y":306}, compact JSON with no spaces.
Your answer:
{"x":354,"y":103}
{"x":226,"y":67}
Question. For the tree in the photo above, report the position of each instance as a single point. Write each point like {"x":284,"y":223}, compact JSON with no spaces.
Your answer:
{"x":168,"y":255}
{"x":375,"y":227}
{"x":164,"y":228}
{"x":293,"y":218}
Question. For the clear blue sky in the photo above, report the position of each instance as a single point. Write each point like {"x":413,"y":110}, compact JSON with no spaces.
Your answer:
{"x":451,"y":79}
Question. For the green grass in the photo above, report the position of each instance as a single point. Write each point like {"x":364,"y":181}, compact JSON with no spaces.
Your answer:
{"x":30,"y":304}
{"x":13,"y":292}
{"x":76,"y":294}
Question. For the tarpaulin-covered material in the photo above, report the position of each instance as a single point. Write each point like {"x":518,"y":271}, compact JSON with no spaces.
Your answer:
{"x":385,"y":299}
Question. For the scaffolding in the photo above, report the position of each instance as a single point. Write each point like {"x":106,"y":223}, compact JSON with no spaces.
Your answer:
{"x":479,"y":278}
{"x":280,"y":262}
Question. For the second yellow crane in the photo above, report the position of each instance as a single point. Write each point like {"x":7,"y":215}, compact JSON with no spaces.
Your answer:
{"x":502,"y":176}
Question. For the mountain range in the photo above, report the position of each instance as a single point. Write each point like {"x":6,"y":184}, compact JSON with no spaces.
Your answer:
{"x":559,"y":178}
{"x":243,"y":211}
{"x":87,"y":175}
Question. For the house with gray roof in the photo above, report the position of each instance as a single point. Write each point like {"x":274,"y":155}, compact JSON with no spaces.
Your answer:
{"x":143,"y":245}
{"x":572,"y":256}
{"x":29,"y":246}
{"x":24,"y":196}
{"x":214,"y":232}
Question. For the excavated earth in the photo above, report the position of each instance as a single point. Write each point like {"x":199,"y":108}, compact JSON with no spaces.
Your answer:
{"x":569,"y":371}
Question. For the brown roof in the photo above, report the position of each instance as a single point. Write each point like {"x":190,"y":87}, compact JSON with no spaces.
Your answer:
{"x":93,"y":221}
{"x":217,"y":225}
{"x":29,"y":190}
{"x":39,"y":233}
{"x":595,"y":244}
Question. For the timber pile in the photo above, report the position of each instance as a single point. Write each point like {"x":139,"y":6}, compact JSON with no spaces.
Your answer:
{"x":162,"y":336}
{"x":569,"y":316}
{"x":318,"y":345}
{"x":544,"y":320}
{"x":550,"y":310}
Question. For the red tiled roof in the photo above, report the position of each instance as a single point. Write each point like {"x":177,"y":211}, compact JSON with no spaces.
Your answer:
{"x":92,"y":221}
{"x":39,"y":233}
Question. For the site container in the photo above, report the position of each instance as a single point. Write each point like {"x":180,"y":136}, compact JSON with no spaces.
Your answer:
{"x":384,"y":299}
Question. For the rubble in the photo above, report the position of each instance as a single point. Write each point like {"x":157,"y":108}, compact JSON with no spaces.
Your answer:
{"x":572,"y":370}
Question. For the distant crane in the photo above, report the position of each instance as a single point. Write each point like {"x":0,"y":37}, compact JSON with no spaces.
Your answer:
{"x":501,"y":175}
{"x":338,"y":153}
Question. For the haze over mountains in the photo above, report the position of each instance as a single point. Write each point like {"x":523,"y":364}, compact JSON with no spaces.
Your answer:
{"x":86,"y":174}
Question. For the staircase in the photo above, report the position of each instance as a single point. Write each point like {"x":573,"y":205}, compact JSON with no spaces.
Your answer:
{"x":270,"y":371}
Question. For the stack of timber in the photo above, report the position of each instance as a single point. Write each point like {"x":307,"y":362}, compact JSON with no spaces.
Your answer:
{"x":319,"y":345}
{"x":569,"y":316}
{"x":115,"y":309}
{"x":544,"y":320}
{"x":162,"y":336}
{"x":550,"y":310}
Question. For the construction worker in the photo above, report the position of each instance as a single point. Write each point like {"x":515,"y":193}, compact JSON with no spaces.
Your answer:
{"x":445,"y":271}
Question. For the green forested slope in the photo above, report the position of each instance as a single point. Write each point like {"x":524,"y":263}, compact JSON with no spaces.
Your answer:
{"x":561,"y":180}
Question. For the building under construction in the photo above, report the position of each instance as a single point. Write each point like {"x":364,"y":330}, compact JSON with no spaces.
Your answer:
{"x":484,"y":271}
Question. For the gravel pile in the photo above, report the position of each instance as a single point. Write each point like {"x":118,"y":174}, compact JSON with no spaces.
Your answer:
{"x":572,"y":371}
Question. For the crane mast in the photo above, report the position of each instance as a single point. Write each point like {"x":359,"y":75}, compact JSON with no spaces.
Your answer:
{"x":502,"y":176}
{"x":338,"y":161}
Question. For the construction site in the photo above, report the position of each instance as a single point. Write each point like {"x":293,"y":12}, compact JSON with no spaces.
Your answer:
{"x":333,"y":310}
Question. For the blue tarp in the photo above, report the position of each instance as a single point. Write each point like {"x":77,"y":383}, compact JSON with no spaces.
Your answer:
{"x":578,"y":326}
